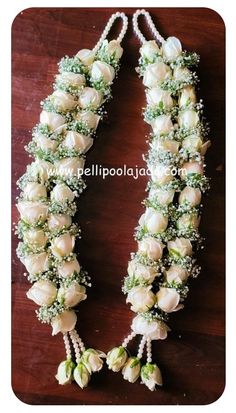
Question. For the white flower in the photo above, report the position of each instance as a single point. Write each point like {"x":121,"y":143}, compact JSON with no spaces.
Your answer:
{"x":194,"y":143}
{"x":154,"y":221}
{"x":59,"y":221}
{"x":187,"y":96}
{"x":141,"y":299}
{"x":155,"y":74}
{"x":63,"y":101}
{"x":77,"y":141}
{"x":40,"y":170}
{"x":171,"y":48}
{"x":52,"y":119}
{"x":72,"y":295}
{"x":176,"y":274}
{"x":131,"y":369}
{"x":187,"y":221}
{"x":162,"y":197}
{"x":149,"y":50}
{"x":156,"y":95}
{"x":102,"y":70}
{"x":161,"y":174}
{"x":63,"y":322}
{"x":36,"y":263}
{"x":65,"y":372}
{"x":151,"y":376}
{"x":61,"y":193}
{"x":190,"y":195}
{"x":191,"y":167}
{"x":90,"y":97}
{"x":36,"y":238}
{"x":141,"y":272}
{"x":86,"y":56}
{"x":113,"y":48}
{"x":180,"y":247}
{"x":181,"y":73}
{"x":162,"y":124}
{"x":151,"y":247}
{"x":169,"y":145}
{"x":168,"y":300}
{"x":67,"y":268}
{"x":71,"y":79}
{"x":116,"y":358}
{"x":42,"y":292}
{"x":154,"y":329}
{"x":63,"y":245}
{"x":33,"y":191}
{"x":45,"y":143}
{"x":32,"y":211}
{"x":90,"y":119}
{"x":92,"y":360}
{"x":81,"y":375}
{"x":188,"y":118}
{"x":70,"y":166}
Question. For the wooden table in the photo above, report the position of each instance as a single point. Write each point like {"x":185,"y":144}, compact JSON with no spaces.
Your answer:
{"x":192,"y":358}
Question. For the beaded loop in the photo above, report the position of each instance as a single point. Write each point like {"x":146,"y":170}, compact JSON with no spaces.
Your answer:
{"x":109,"y":26}
{"x":150,"y":23}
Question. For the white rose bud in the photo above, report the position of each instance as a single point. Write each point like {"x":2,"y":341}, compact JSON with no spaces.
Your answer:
{"x":32,"y":211}
{"x":192,"y":143}
{"x":155,"y":74}
{"x":34,"y":191}
{"x":44,"y":143}
{"x":151,"y":247}
{"x":65,"y":372}
{"x":188,"y":118}
{"x":151,"y":376}
{"x":36,"y":263}
{"x":36,"y":238}
{"x":131,"y":369}
{"x":171,"y":48}
{"x":67,"y":268}
{"x":155,"y":330}
{"x":162,"y":124}
{"x":142,"y":272}
{"x":59,"y":221}
{"x":188,"y":221}
{"x":64,"y":322}
{"x":77,"y":141}
{"x":190,"y":195}
{"x":72,"y":295}
{"x":63,"y":245}
{"x":90,"y":97}
{"x":104,"y":71}
{"x":62,"y":193}
{"x":86,"y":56}
{"x":42,"y":292}
{"x":168,"y":300}
{"x":180,"y":247}
{"x":90,"y":119}
{"x":187,"y":96}
{"x":70,"y":166}
{"x":113,"y":48}
{"x":181,"y":73}
{"x":52,"y":119}
{"x":191,"y":168}
{"x":92,"y":360}
{"x":162,"y":197}
{"x":81,"y":375}
{"x":63,"y":101}
{"x":71,"y":79}
{"x":141,"y":299}
{"x":169,"y":145}
{"x":153,"y":221}
{"x":149,"y":50}
{"x":41,"y":170}
{"x":116,"y":358}
{"x":156,"y":95}
{"x":176,"y":274}
{"x":161,"y":174}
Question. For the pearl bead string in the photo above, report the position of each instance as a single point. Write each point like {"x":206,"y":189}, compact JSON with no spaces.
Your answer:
{"x":78,"y":340}
{"x":128,"y":339}
{"x":150,"y":23}
{"x":67,"y":346}
{"x":75,"y":345}
{"x":141,"y":347}
{"x":109,"y":26}
{"x":149,"y":350}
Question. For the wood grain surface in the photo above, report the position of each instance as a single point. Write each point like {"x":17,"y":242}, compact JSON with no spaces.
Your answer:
{"x":192,"y":358}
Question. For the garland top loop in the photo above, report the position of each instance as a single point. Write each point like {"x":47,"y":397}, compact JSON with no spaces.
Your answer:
{"x":150,"y":23}
{"x":109,"y":26}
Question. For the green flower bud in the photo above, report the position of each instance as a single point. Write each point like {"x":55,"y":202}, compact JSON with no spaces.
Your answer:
{"x":81,"y":375}
{"x":131,"y":369}
{"x":116,"y":358}
{"x":92,"y":360}
{"x":65,"y":372}
{"x":151,"y":376}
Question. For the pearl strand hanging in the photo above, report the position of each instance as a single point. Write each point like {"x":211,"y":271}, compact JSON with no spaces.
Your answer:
{"x":150,"y":23}
{"x":109,"y":26}
{"x":67,"y":346}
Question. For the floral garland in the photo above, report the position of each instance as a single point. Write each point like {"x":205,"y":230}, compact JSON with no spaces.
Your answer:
{"x":167,"y":235}
{"x":49,"y":188}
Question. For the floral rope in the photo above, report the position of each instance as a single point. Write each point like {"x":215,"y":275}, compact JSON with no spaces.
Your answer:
{"x":167,"y":235}
{"x":49,"y":188}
